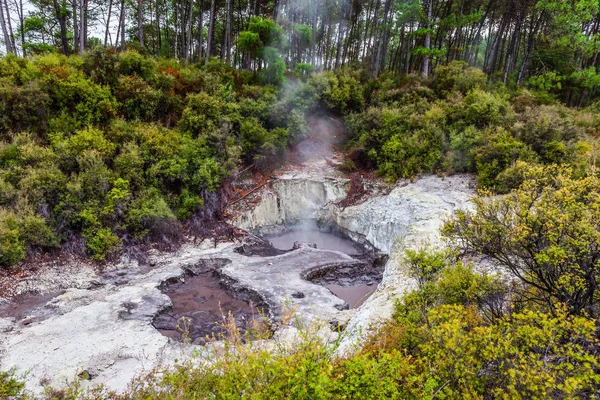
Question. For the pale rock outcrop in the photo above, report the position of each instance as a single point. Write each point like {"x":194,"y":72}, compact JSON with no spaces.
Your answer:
{"x":293,"y":196}
{"x":409,"y":217}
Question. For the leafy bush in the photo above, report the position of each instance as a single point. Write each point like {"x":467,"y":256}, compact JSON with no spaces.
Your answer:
{"x":499,"y":151}
{"x":545,"y":232}
{"x":457,"y":76}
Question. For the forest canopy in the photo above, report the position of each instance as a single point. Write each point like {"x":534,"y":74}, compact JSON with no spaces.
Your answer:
{"x":551,"y":45}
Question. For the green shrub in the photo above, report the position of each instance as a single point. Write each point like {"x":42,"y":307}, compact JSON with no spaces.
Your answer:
{"x":150,"y":214}
{"x":137,"y":99}
{"x":483,"y":109}
{"x":498,"y":151}
{"x":10,"y":387}
{"x":101,"y":242}
{"x":457,"y":76}
{"x":462,"y":147}
{"x":12,"y":245}
{"x":343,"y":93}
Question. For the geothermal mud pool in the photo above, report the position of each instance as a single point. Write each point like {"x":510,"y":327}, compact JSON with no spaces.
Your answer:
{"x":353,"y":285}
{"x":203,"y":305}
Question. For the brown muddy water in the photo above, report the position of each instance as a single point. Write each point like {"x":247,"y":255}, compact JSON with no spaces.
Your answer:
{"x":323,"y":240}
{"x":355,"y":286}
{"x":27,"y":307}
{"x":355,"y":296}
{"x":201,"y":310}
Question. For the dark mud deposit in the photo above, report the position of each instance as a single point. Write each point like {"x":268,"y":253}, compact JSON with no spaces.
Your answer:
{"x":203,"y":307}
{"x":205,"y":302}
{"x":353,"y":285}
{"x":323,"y":240}
{"x":28,"y":307}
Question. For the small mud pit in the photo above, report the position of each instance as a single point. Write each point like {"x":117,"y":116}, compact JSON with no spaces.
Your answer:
{"x":355,"y":296}
{"x":351,"y":284}
{"x":28,"y":307}
{"x":308,"y":232}
{"x":202,"y":307}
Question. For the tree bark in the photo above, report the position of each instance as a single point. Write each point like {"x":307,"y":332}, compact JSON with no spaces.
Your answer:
{"x":122,"y":24}
{"x":140,"y":22}
{"x":211,"y":24}
{"x":227,"y":38}
{"x":188,"y":46}
{"x":342,"y":26}
{"x":82,"y":28}
{"x":9,"y":26}
{"x":382,"y":36}
{"x":75,"y":27}
{"x":110,"y":3}
{"x":7,"y":42}
{"x":63,"y":27}
{"x":200,"y":29}
{"x":22,"y":27}
{"x":427,"y":39}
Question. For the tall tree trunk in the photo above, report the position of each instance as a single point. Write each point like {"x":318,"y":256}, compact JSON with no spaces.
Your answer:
{"x":75,"y":27}
{"x":227,"y":33}
{"x":367,"y":26}
{"x":82,"y":38}
{"x":158,"y":32}
{"x":382,"y":36}
{"x":511,"y":50}
{"x":182,"y":31}
{"x":427,"y":39}
{"x":374,"y":27}
{"x":529,"y":50}
{"x":176,"y":32}
{"x":275,"y":9}
{"x":200,"y":29}
{"x":7,"y":42}
{"x":107,"y":30}
{"x":313,"y":43}
{"x":347,"y":45}
{"x":211,"y":25}
{"x":9,"y":26}
{"x":21,"y":12}
{"x":63,"y":27}
{"x":140,"y":22}
{"x":86,"y":15}
{"x":327,"y":44}
{"x":189,"y":32}
{"x":342,"y":26}
{"x":122,"y":23}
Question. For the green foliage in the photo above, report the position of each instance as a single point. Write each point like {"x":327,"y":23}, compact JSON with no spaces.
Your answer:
{"x":12,"y":246}
{"x":269,"y":32}
{"x":499,"y":151}
{"x":249,"y":42}
{"x":483,"y":109}
{"x":462,"y":146}
{"x":137,"y":98}
{"x":100,"y":242}
{"x":150,"y":214}
{"x":545,"y":233}
{"x":274,"y":73}
{"x":10,"y":387}
{"x":121,"y":146}
{"x":343,"y":92}
{"x":457,"y":76}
